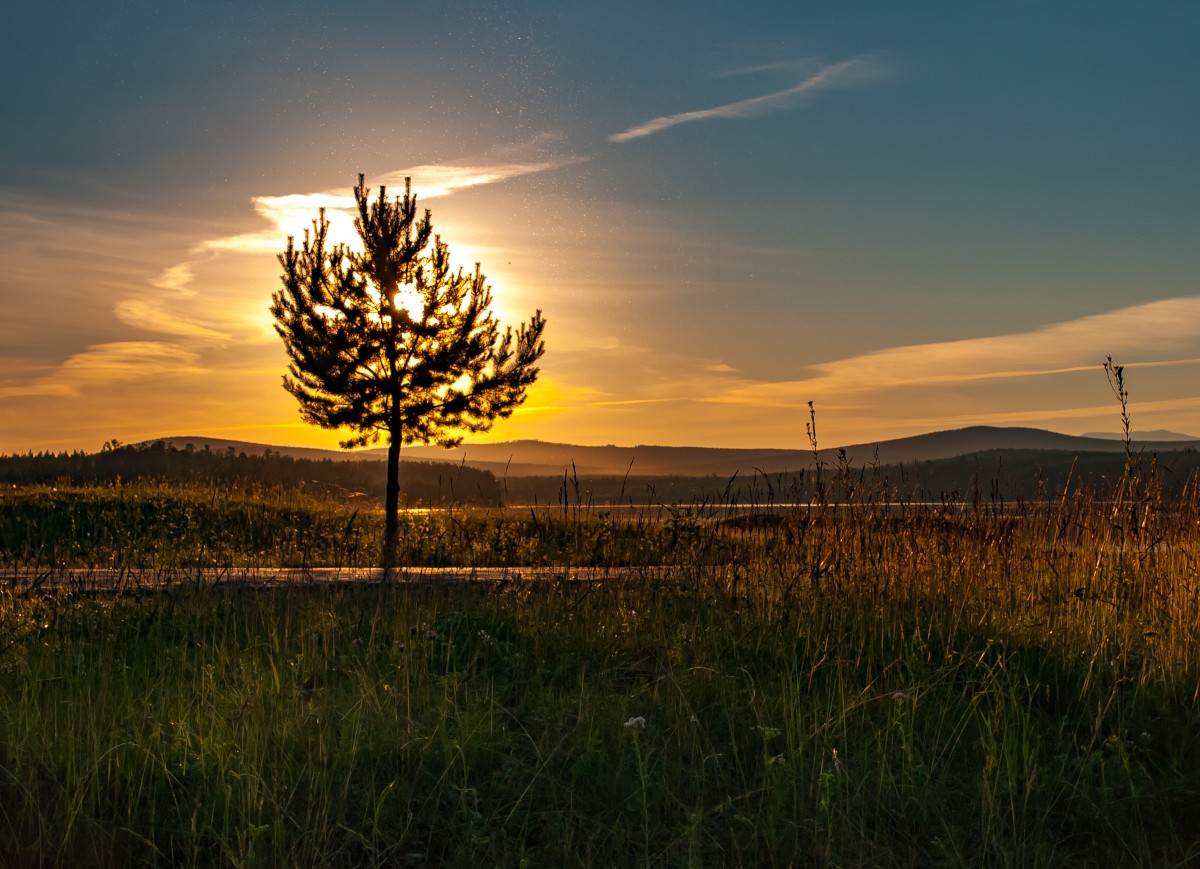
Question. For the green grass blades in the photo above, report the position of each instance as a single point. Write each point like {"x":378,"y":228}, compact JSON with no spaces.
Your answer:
{"x":663,"y":725}
{"x":867,"y":684}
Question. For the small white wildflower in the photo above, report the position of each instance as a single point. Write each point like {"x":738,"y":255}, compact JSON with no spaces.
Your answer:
{"x":636,"y":721}
{"x":837,"y":763}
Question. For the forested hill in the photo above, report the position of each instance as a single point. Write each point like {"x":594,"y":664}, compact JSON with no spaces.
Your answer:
{"x":420,"y":482}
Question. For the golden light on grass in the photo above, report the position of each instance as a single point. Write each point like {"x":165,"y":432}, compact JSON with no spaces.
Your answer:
{"x":959,"y":679}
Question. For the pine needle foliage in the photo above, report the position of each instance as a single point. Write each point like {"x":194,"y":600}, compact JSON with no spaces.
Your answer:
{"x":390,"y":342}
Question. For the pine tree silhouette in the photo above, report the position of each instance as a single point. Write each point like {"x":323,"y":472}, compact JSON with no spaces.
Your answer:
{"x":390,"y":342}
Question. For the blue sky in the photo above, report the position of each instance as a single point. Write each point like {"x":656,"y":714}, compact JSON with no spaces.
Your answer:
{"x":918,"y":216}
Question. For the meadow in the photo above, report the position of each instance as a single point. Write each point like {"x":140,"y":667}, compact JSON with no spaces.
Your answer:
{"x":870,"y":682}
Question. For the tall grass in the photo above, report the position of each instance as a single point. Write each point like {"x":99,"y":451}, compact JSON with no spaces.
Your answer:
{"x":170,"y":528}
{"x":861,"y":683}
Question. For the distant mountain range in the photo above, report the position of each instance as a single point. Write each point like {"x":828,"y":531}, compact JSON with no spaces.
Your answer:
{"x":528,"y":458}
{"x":1160,"y":434}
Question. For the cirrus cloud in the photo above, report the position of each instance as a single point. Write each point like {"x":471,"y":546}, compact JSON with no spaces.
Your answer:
{"x":857,"y":70}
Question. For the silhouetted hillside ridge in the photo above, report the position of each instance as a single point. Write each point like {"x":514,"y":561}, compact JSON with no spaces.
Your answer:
{"x":1157,"y":435}
{"x":525,"y":458}
{"x":1007,"y":475}
{"x":1010,"y":474}
{"x":420,"y":482}
{"x":521,"y":456}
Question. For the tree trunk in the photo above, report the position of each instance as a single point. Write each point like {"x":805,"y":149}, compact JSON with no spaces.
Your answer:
{"x":391,"y":527}
{"x":391,"y":504}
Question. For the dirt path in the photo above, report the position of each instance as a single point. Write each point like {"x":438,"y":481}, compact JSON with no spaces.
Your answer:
{"x":25,"y":581}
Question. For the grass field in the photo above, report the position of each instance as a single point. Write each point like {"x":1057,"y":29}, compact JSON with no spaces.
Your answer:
{"x":869,"y":684}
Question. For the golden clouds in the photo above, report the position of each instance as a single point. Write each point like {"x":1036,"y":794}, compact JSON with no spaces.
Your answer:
{"x":103,"y":364}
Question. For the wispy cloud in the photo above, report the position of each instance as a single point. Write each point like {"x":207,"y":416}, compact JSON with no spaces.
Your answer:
{"x":292,"y":213}
{"x":857,"y":70}
{"x":103,"y":364}
{"x":1020,"y":416}
{"x":943,"y":374}
{"x":432,"y":180}
{"x":1140,"y":330}
{"x":207,"y":299}
{"x":169,"y":305}
{"x":288,"y":215}
{"x":1045,"y":376}
{"x":158,"y":307}
{"x":791,"y":65}
{"x":156,"y":315}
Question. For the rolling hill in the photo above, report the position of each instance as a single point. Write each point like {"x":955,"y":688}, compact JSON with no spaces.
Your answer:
{"x":527,"y":458}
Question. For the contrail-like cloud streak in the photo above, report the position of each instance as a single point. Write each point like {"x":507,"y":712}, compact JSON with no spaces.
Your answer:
{"x":848,"y":72}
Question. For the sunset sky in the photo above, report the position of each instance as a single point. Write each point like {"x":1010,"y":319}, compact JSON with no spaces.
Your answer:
{"x":918,"y":216}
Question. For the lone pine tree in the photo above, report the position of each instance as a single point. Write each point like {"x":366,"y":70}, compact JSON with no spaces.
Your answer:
{"x":390,"y":342}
